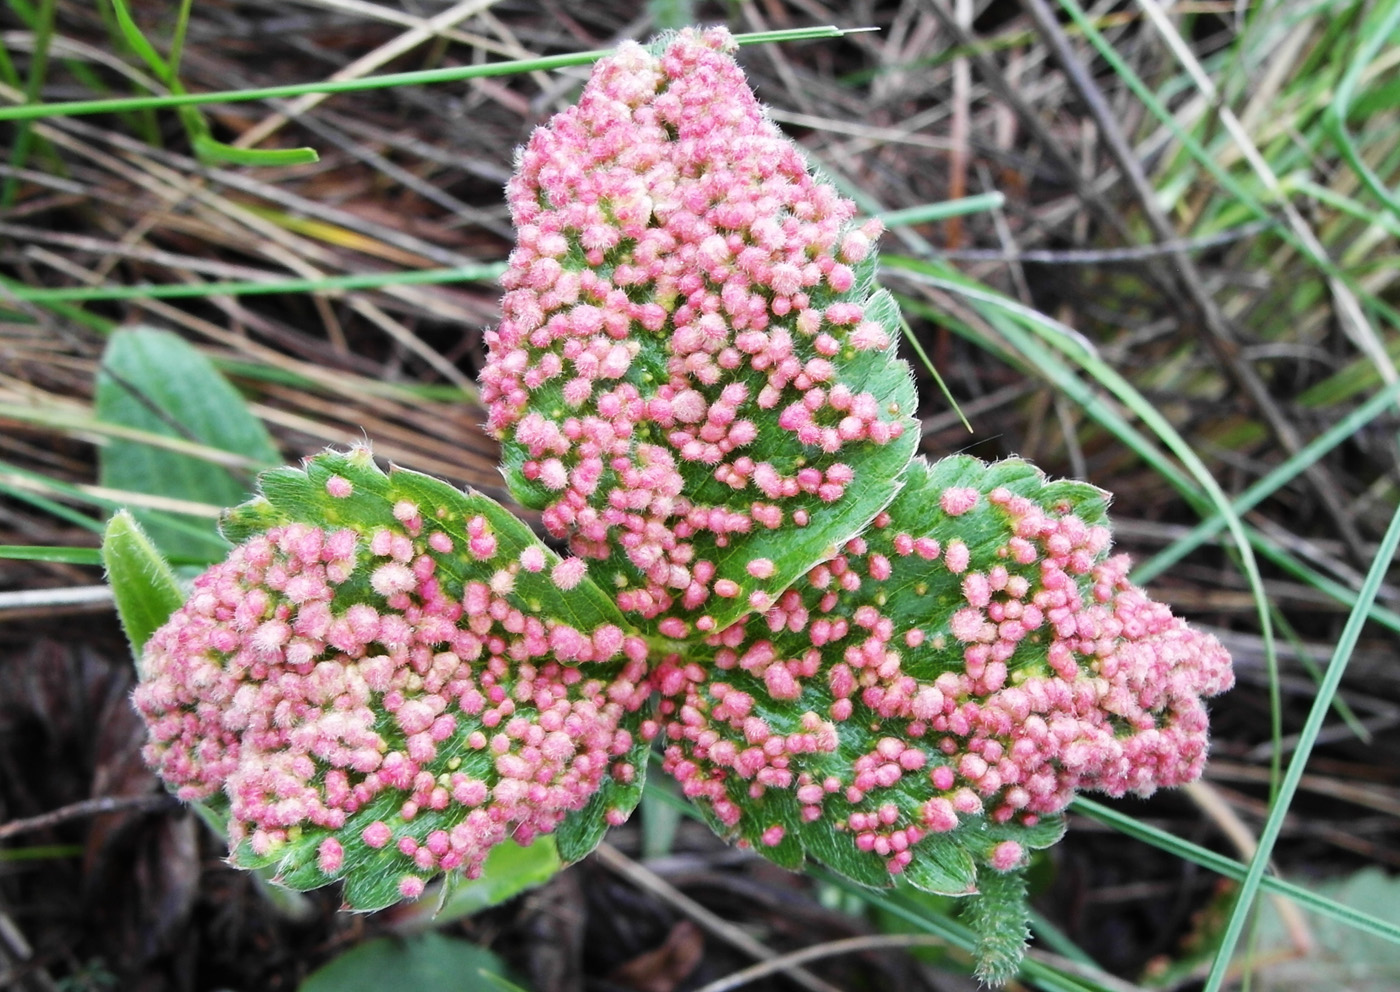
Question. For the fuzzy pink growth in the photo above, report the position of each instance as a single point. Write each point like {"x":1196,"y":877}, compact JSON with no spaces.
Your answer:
{"x":1006,"y":855}
{"x":704,"y":240}
{"x":1057,"y":675}
{"x":958,"y":500}
{"x":329,"y":855}
{"x":569,"y":573}
{"x":268,"y":688}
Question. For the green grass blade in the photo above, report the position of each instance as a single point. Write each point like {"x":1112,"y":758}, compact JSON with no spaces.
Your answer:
{"x":942,"y":211}
{"x":212,"y":152}
{"x":133,"y":36}
{"x":51,"y":507}
{"x":957,"y":935}
{"x":1273,"y":826}
{"x":1269,"y":549}
{"x":38,"y":70}
{"x":1056,"y":940}
{"x":1309,"y":664}
{"x":208,"y":150}
{"x":1043,"y":361}
{"x":1373,"y":38}
{"x":79,"y":316}
{"x":21,"y":483}
{"x":1230,"y":868}
{"x":414,"y":78}
{"x":9,"y":75}
{"x":1365,"y":336}
{"x":1269,"y":483}
{"x":177,"y":38}
{"x":1347,"y":205}
{"x":913,"y":341}
{"x":65,"y":556}
{"x":80,"y":424}
{"x":1033,"y":358}
{"x":325,"y":284}
{"x":1242,"y":193}
{"x":41,"y":852}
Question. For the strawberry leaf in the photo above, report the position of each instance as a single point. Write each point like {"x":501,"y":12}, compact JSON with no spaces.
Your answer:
{"x":582,"y":830}
{"x":695,"y":379}
{"x":387,"y":678}
{"x":927,"y":701}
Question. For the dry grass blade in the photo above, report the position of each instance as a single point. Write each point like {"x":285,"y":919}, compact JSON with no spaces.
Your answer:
{"x":366,"y":64}
{"x":1348,"y":308}
{"x":851,"y":945}
{"x":649,"y":881}
{"x":1221,"y":338}
{"x":86,"y":808}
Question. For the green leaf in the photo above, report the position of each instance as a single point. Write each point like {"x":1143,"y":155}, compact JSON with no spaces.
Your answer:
{"x":154,"y":381}
{"x":490,"y":698}
{"x":426,"y":962}
{"x":142,"y":583}
{"x":71,"y":556}
{"x":583,"y":830}
{"x":1344,"y":957}
{"x":891,"y":714}
{"x":212,"y":152}
{"x":510,"y":869}
{"x":788,"y":549}
{"x":713,"y":402}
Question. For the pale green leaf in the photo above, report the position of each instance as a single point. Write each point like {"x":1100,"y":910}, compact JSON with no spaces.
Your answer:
{"x":156,"y":382}
{"x":426,"y":962}
{"x":142,"y":583}
{"x":510,"y":869}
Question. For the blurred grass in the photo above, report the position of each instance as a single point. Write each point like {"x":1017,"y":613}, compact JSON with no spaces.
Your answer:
{"x":1204,"y":194}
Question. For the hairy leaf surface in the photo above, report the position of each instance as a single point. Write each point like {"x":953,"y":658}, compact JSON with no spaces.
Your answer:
{"x":928,"y":700}
{"x":388,"y":678}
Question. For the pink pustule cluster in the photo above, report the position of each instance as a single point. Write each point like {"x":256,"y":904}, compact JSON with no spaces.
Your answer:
{"x":302,"y":702}
{"x":1055,"y":674}
{"x":679,"y":278}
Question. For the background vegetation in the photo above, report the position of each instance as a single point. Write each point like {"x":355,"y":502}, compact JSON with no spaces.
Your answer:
{"x":1149,"y":245}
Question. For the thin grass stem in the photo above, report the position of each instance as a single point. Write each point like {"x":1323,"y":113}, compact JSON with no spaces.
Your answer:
{"x":1228,"y":867}
{"x":1273,"y":826}
{"x":1270,"y":483}
{"x":323,"y":284}
{"x":63,"y":555}
{"x":422,"y":77}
